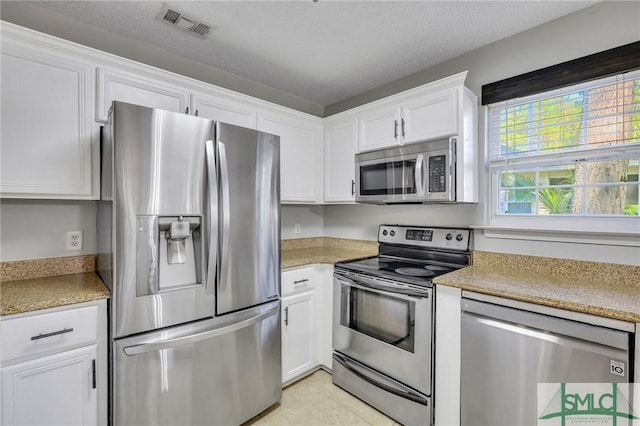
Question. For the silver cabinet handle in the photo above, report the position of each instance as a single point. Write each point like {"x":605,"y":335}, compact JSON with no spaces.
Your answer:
{"x":395,"y":129}
{"x":402,"y":121}
{"x":353,"y":187}
{"x":54,"y":333}
{"x":93,"y":373}
{"x":196,"y":113}
{"x":301,"y":281}
{"x":286,"y":315}
{"x":187,"y":111}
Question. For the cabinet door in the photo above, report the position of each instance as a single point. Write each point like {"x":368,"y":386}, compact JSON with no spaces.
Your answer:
{"x":379,"y":128}
{"x":298,"y":337}
{"x":54,"y":390}
{"x":223,"y":110}
{"x":431,"y":116}
{"x":340,"y":140}
{"x":300,"y":156}
{"x":115,"y":85}
{"x":49,"y":141}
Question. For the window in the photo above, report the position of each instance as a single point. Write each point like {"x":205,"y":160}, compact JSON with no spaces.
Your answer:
{"x":571,"y":152}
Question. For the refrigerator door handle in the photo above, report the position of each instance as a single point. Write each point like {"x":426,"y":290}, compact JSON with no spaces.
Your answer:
{"x":168,"y":344}
{"x":224,"y":189}
{"x":212,"y":182}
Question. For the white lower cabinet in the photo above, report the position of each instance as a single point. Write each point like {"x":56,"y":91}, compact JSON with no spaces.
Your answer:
{"x":59,"y":389}
{"x":54,"y":366}
{"x":298,"y":322}
{"x":306,"y":320}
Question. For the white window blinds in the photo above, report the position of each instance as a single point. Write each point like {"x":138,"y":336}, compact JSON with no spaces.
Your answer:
{"x":573,"y":150}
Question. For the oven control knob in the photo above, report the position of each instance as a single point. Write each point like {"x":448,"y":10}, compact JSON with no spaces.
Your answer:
{"x":392,"y":233}
{"x":459,"y":237}
{"x":384,"y":232}
{"x":449,"y":236}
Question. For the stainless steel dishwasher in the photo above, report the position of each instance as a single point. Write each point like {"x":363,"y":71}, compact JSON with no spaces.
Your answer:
{"x":507,"y":351}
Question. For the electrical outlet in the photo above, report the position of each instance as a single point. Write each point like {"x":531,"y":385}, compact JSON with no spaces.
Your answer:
{"x":296,"y":228}
{"x":74,"y":240}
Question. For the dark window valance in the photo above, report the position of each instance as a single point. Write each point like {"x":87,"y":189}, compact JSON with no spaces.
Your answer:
{"x":602,"y":64}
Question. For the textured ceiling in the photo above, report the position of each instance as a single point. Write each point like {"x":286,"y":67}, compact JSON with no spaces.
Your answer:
{"x":327,"y":51}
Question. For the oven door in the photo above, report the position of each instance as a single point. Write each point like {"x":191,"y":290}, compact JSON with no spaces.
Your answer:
{"x":386,"y":326}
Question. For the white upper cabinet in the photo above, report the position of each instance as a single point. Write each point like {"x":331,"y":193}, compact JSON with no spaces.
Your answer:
{"x":431,"y":116}
{"x":379,"y":128}
{"x":300,"y":155}
{"x":340,"y":139}
{"x":133,"y":88}
{"x":49,"y":141}
{"x":224,"y":110}
{"x":435,"y":110}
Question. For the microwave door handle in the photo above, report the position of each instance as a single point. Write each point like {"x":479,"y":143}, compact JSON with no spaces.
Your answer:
{"x":419,"y":175}
{"x":212,"y":182}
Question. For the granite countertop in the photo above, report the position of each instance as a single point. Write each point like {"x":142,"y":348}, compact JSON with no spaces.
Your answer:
{"x":50,"y":292}
{"x":31,"y":285}
{"x":307,"y":251}
{"x":606,"y":290}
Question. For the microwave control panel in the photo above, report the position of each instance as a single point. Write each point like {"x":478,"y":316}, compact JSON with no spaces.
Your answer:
{"x":438,"y":173}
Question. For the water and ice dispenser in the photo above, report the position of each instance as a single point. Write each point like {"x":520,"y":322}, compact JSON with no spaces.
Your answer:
{"x":169,"y":253}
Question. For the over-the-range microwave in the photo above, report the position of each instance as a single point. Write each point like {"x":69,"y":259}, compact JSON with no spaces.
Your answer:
{"x":435,"y":171}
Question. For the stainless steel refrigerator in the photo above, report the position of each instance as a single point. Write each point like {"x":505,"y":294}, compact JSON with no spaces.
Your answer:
{"x":189,"y":245}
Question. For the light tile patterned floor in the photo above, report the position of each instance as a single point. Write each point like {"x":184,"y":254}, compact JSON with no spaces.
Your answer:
{"x":315,"y":401}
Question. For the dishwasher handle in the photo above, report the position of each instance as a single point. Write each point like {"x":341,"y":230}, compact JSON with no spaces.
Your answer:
{"x":559,"y":326}
{"x":544,"y":335}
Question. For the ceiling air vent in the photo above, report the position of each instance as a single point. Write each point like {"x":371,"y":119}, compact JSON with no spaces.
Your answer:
{"x":183,"y":22}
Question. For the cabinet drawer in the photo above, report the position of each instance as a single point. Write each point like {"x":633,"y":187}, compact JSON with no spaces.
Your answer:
{"x":48,"y":332}
{"x":297,"y":280}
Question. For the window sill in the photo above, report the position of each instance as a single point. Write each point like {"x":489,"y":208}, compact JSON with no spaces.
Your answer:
{"x":630,"y":239}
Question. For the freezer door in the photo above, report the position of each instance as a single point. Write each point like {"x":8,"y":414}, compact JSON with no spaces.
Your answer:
{"x":249,"y":187}
{"x":507,"y":352}
{"x":220,"y":371}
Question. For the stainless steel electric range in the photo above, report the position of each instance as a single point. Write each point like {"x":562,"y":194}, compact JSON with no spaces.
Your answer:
{"x":383,"y":318}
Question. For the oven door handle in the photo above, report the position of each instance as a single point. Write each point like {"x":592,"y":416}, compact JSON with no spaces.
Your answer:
{"x":391,"y":290}
{"x":390,"y":386}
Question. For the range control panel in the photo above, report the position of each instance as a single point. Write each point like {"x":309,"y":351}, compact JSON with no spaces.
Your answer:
{"x":446,"y":238}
